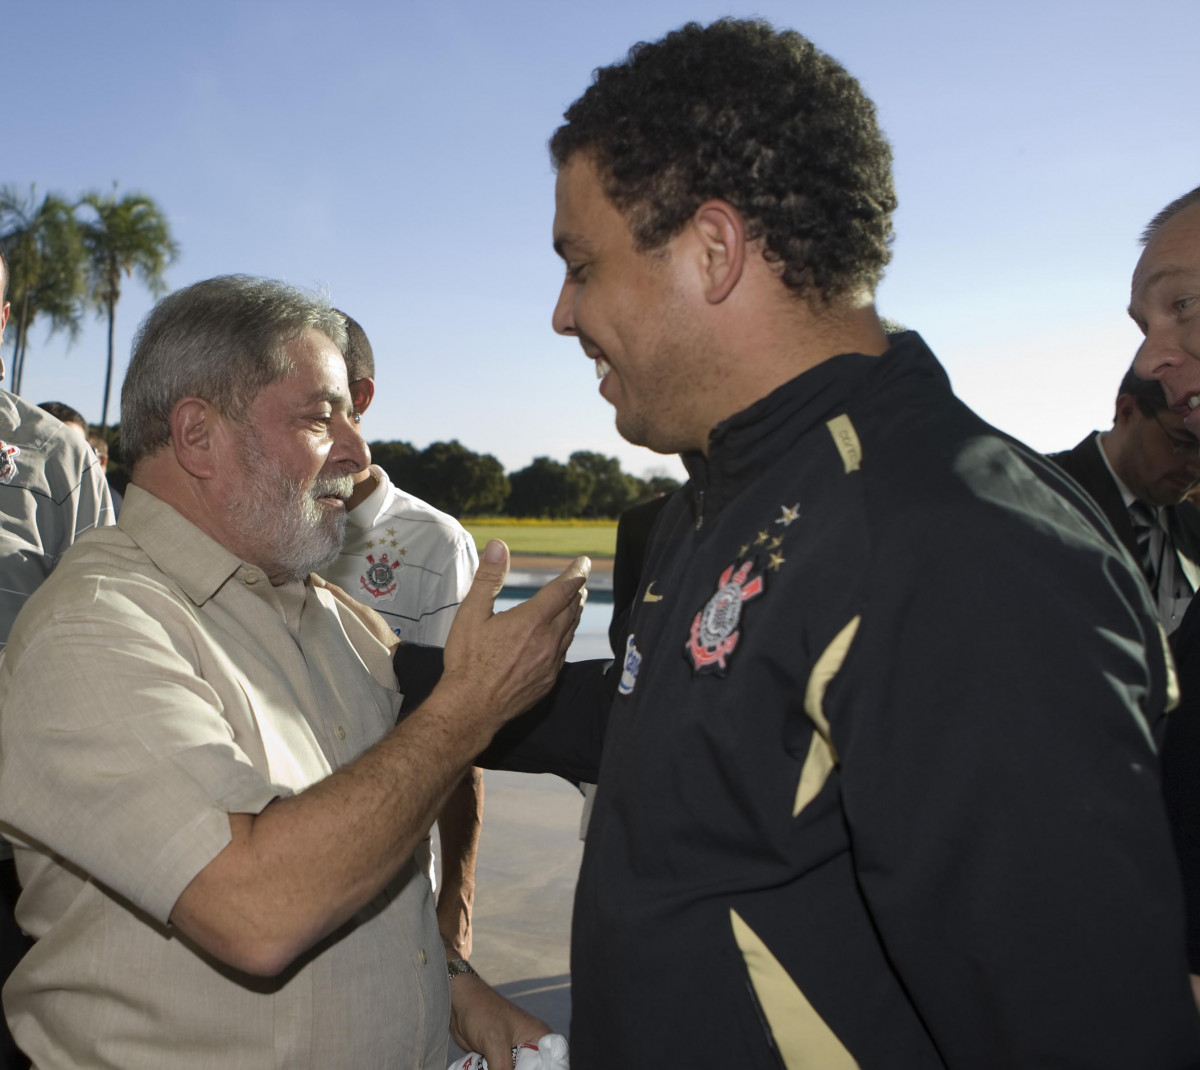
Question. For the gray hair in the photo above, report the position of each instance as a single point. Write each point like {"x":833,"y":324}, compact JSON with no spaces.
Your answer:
{"x":222,"y":340}
{"x":1172,"y":209}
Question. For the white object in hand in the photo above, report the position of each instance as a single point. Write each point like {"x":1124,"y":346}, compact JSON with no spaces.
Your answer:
{"x":549,"y":1054}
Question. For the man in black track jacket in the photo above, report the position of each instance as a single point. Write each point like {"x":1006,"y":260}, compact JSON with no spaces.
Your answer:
{"x":877,"y":780}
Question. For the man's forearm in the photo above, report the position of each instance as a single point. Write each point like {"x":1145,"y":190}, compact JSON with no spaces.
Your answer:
{"x":306,"y":864}
{"x":459,"y":825}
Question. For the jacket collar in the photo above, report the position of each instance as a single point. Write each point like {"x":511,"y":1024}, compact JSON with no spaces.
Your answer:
{"x":743,"y":446}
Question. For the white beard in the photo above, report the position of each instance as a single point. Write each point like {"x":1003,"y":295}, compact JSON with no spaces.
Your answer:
{"x":281,"y":515}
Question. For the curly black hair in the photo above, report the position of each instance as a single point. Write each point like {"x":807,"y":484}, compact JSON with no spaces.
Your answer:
{"x":756,"y":117}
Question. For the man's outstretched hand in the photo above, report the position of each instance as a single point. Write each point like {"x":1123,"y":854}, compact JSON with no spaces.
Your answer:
{"x":500,"y":664}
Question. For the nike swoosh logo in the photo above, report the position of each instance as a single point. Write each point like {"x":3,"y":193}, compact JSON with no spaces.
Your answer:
{"x":649,"y":596}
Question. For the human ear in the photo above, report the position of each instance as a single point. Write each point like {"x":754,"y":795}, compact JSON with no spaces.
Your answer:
{"x":194,"y":437}
{"x":362,"y":392}
{"x":722,"y":236}
{"x":1127,"y":408}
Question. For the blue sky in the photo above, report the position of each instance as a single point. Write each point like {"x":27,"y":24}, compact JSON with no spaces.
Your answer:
{"x":394,"y":155}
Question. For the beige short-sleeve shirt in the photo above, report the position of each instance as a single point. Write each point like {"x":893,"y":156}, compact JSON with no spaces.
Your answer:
{"x":155,"y":684}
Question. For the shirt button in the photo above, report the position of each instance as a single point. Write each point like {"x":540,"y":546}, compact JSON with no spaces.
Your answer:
{"x":251,"y":578}
{"x":340,"y":732}
{"x":422,"y":956}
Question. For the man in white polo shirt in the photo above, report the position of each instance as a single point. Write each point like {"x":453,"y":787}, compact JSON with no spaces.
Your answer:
{"x":413,"y":564}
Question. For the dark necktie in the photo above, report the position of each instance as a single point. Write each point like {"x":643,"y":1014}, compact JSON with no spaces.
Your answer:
{"x":1141,"y":516}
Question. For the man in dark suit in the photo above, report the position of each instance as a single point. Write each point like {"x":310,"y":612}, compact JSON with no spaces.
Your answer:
{"x":1140,"y":473}
{"x":1163,"y":304}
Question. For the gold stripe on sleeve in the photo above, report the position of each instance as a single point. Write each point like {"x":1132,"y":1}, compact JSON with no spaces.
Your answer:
{"x":817,"y":767}
{"x":802,"y":1038}
{"x":821,"y":755}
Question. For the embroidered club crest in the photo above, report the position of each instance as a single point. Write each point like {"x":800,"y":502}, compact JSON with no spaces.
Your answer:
{"x":8,"y":462}
{"x":714,"y":634}
{"x":379,"y":580}
{"x":629,"y":672}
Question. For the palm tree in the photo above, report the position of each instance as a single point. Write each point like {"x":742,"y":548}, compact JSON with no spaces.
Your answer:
{"x":46,"y":260}
{"x":126,"y":236}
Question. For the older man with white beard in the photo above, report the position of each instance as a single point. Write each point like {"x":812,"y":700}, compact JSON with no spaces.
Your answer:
{"x":215,"y":808}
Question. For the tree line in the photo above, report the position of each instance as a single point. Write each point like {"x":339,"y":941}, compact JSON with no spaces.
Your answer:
{"x":464,"y":483}
{"x":66,"y":257}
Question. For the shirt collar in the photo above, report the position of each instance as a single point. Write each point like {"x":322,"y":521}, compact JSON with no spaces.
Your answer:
{"x":1127,"y":496}
{"x":179,"y":549}
{"x":366,"y":513}
{"x":9,"y":416}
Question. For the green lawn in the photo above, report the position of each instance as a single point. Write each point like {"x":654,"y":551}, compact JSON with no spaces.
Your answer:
{"x":596,"y":538}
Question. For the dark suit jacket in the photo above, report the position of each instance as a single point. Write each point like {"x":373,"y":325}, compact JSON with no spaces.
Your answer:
{"x":1088,"y":468}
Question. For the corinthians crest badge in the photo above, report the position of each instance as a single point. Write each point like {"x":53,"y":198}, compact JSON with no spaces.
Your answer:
{"x":8,"y":462}
{"x":714,"y":634}
{"x":379,"y":579}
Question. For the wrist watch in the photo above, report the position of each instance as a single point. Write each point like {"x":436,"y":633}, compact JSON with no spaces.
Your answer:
{"x":456,"y":966}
